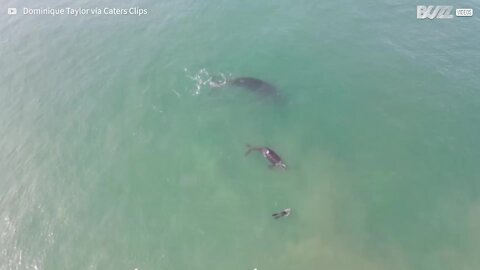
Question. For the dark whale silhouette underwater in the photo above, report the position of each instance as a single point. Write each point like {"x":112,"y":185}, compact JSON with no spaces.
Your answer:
{"x":258,"y":86}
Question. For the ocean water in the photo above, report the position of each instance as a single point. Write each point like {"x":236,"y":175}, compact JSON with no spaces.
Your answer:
{"x":116,"y":154}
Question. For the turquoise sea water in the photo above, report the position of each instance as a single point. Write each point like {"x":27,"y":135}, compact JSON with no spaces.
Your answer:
{"x":116,"y":154}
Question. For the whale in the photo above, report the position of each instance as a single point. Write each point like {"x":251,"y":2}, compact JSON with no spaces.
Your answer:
{"x":275,"y":160}
{"x":284,"y":213}
{"x":255,"y":85}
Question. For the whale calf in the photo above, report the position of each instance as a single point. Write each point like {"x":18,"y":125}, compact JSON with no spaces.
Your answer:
{"x":249,"y":83}
{"x":256,"y":85}
{"x":284,"y":213}
{"x":270,"y":155}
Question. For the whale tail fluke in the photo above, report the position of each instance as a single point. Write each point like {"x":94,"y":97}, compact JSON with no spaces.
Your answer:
{"x":252,"y":148}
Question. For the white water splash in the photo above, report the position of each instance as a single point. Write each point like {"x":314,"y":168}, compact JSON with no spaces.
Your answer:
{"x":203,"y":78}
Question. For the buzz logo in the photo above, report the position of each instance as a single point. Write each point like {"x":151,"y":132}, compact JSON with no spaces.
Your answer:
{"x":434,"y":12}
